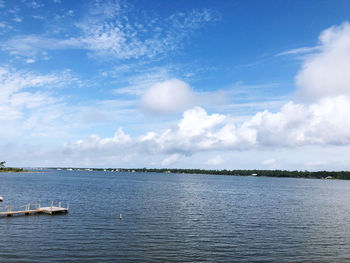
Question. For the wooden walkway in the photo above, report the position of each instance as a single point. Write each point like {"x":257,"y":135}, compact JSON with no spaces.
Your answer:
{"x":37,"y":209}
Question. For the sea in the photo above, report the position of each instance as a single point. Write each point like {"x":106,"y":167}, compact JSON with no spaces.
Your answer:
{"x":174,"y":218}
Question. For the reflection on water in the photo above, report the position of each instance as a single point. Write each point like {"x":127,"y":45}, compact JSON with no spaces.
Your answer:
{"x":176,"y":218}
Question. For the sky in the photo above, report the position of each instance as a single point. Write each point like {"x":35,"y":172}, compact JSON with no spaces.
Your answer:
{"x":179,"y":84}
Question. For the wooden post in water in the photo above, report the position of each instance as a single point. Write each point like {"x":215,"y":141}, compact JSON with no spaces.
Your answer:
{"x":121,"y":217}
{"x":9,"y":210}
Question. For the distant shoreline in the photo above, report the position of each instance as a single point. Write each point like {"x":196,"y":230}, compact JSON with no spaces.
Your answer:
{"x":344,"y":175}
{"x":12,"y":170}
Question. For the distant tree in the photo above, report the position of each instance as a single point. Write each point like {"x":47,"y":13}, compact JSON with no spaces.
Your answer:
{"x":2,"y":164}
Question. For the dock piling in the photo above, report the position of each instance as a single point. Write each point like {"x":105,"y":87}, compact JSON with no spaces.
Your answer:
{"x":9,"y":211}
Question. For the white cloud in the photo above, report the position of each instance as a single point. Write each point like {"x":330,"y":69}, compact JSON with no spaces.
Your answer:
{"x":36,"y":46}
{"x":94,"y":142}
{"x":108,"y":31}
{"x":298,"y":51}
{"x":269,"y":161}
{"x":35,"y":4}
{"x":168,"y":97}
{"x":17,"y":19}
{"x":295,"y":125}
{"x":138,"y":83}
{"x":12,"y":81}
{"x":38,"y":17}
{"x":28,"y":104}
{"x":196,"y":121}
{"x":217,"y":160}
{"x":29,"y":60}
{"x":171,"y":159}
{"x":327,"y":73}
{"x":14,"y":10}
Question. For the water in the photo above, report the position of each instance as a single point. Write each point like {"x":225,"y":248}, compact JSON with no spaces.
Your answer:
{"x":175,"y":218}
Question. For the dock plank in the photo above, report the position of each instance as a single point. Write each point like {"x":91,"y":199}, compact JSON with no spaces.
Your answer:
{"x":45,"y":210}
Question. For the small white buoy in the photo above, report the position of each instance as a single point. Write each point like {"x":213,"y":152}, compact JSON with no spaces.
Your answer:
{"x":1,"y":199}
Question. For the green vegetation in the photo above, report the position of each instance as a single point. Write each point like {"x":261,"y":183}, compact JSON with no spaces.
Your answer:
{"x":345,"y":175}
{"x":9,"y":169}
{"x":268,"y":173}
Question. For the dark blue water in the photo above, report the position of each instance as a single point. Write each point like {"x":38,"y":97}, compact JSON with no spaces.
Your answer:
{"x":175,"y":218}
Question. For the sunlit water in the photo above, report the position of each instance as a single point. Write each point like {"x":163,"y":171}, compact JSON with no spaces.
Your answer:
{"x":175,"y":218}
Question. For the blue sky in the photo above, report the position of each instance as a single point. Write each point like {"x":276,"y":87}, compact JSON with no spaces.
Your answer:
{"x":200,"y":84}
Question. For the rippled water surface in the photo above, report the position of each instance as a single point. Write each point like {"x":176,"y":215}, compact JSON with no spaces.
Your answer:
{"x":175,"y":218}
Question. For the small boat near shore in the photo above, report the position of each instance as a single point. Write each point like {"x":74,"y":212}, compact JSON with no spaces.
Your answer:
{"x":1,"y":199}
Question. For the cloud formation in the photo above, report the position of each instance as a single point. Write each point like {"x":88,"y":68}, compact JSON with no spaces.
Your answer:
{"x":324,"y":77}
{"x":295,"y":125}
{"x":327,"y":72}
{"x":112,"y":30}
{"x":168,"y":97}
{"x":27,"y":102}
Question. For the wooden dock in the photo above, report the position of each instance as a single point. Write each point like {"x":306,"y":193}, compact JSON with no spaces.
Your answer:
{"x":36,"y":209}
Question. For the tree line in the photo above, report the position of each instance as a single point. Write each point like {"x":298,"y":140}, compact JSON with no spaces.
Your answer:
{"x":266,"y":173}
{"x":8,"y":169}
{"x":345,"y":175}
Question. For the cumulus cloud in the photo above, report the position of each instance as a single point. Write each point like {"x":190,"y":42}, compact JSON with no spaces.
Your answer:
{"x":168,"y":97}
{"x":295,"y":125}
{"x":94,"y":141}
{"x":327,"y":73}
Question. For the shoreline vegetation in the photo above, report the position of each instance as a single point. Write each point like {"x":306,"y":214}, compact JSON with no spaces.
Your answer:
{"x":12,"y":170}
{"x":344,"y":175}
{"x":9,"y":169}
